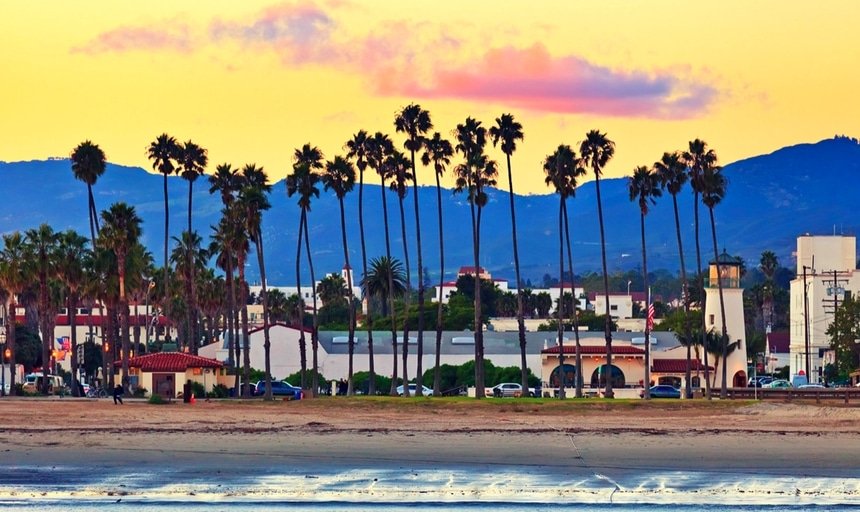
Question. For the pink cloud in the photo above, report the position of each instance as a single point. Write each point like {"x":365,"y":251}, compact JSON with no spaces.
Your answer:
{"x":128,"y":38}
{"x":533,"y":79}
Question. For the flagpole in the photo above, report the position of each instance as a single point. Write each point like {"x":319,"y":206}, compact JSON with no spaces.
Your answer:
{"x":649,"y":319}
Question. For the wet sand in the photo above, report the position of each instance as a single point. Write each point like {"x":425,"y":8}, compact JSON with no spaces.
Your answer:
{"x":236,"y":438}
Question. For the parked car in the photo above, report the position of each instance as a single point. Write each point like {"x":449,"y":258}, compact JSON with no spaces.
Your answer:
{"x":778,"y":384}
{"x":242,"y":385}
{"x":279,"y":388}
{"x":662,"y":391}
{"x":33,"y":384}
{"x":412,"y":390}
{"x":811,"y":386}
{"x":760,"y":381}
{"x":507,"y":389}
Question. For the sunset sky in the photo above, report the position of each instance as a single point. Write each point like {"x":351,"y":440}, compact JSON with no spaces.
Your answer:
{"x":253,"y":80}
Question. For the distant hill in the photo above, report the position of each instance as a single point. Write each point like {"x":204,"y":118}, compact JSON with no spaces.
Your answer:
{"x":807,"y":188}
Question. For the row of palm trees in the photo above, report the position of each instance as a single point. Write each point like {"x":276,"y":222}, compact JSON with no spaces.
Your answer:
{"x":244,"y":198}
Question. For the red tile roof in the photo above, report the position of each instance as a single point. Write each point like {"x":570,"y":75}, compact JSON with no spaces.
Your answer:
{"x":471,"y":270}
{"x":170,"y":362}
{"x":570,"y":348}
{"x":676,"y":365}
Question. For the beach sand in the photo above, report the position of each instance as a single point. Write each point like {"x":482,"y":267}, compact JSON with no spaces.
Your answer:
{"x":230,"y":441}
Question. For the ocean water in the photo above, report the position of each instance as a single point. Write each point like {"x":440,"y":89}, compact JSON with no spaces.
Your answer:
{"x":422,"y":490}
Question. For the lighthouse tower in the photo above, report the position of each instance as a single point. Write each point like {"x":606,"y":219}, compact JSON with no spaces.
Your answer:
{"x":727,"y":271}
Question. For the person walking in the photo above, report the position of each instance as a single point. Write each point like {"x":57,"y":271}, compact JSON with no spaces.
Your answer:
{"x":117,"y":395}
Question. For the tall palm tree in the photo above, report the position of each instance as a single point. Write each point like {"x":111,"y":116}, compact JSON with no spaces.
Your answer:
{"x":357,"y":149}
{"x":415,"y":123}
{"x":644,"y":188}
{"x":473,"y":175}
{"x":164,"y":152}
{"x":13,"y":279}
{"x":698,"y":159}
{"x":508,"y":132}
{"x":382,"y":274}
{"x":339,"y":177}
{"x":379,"y":149}
{"x":252,"y":202}
{"x":713,"y":191}
{"x":72,"y":256}
{"x":88,"y":164}
{"x":307,"y":161}
{"x":597,"y":150}
{"x":192,"y":160}
{"x":121,"y":231}
{"x":41,"y":245}
{"x":226,"y":182}
{"x":438,"y":151}
{"x":399,"y":174}
{"x":239,"y":246}
{"x":673,"y":175}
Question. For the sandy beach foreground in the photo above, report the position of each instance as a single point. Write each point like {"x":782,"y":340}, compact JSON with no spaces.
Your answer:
{"x":604,"y":446}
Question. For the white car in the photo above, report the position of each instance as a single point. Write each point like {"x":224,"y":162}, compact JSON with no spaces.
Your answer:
{"x":507,"y":389}
{"x":412,"y":390}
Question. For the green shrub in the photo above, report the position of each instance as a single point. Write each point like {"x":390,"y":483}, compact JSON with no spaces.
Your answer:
{"x":139,"y":392}
{"x":197,"y":389}
{"x":219,"y":391}
{"x":156,"y":399}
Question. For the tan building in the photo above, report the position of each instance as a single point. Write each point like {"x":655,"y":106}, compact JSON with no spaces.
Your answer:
{"x":164,"y":373}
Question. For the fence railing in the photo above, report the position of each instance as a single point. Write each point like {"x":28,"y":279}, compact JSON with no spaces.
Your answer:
{"x":817,"y":394}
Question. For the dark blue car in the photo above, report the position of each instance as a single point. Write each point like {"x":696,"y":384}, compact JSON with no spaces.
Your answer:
{"x":279,"y":388}
{"x":663,"y":391}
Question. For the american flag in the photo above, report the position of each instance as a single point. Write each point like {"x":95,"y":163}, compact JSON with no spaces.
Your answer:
{"x":650,"y":320}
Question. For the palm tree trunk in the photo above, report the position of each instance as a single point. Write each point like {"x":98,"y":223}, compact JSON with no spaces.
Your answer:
{"x":575,"y":312}
{"x":437,"y":376}
{"x":368,"y":319}
{"x":72,"y":308}
{"x":700,"y":280}
{"x":725,"y":336}
{"x":303,"y":354}
{"x":246,"y":336}
{"x":47,"y":337}
{"x":608,"y":393}
{"x":521,"y":324}
{"x":560,"y":308}
{"x":647,"y":383}
{"x":91,"y":203}
{"x":166,"y":231}
{"x":393,"y":390}
{"x":229,"y":319}
{"x":406,"y":303}
{"x":315,"y":330}
{"x":267,"y":345}
{"x":419,"y":355}
{"x":480,"y":391}
{"x":688,"y":388}
{"x":351,"y":311}
{"x":10,"y":340}
{"x":192,"y":303}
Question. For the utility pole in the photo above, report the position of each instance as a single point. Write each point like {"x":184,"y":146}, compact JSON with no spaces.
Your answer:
{"x":834,"y":290}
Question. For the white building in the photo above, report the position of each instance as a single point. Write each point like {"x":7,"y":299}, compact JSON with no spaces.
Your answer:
{"x":444,"y":292}
{"x":830,"y":264}
{"x":726,"y":271}
{"x":620,"y":305}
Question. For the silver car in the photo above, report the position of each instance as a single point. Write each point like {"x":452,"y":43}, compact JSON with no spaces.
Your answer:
{"x":507,"y":389}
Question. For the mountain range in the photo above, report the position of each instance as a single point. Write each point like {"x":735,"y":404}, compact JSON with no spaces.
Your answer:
{"x":771,"y":199}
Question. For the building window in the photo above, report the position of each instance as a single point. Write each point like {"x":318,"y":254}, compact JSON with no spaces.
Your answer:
{"x":711,"y":319}
{"x":613,"y":307}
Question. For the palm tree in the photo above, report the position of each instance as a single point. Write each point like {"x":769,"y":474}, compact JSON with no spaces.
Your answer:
{"x":397,"y":170}
{"x":415,"y":122}
{"x":673,"y":175}
{"x":644,"y":187}
{"x":122,"y":231}
{"x":72,"y":256}
{"x":713,"y":188}
{"x":509,"y":131}
{"x":237,"y":240}
{"x":698,"y":159}
{"x":597,"y":150}
{"x":164,"y":152}
{"x":379,"y":148}
{"x":226,"y":182}
{"x":377,"y":284}
{"x":357,"y":149}
{"x":340,"y":177}
{"x":438,"y":151}
{"x":13,"y":280}
{"x":88,"y":164}
{"x":473,"y":175}
{"x":40,"y":246}
{"x":188,"y":250}
{"x":252,"y":202}
{"x":307,"y":160}
{"x":192,"y":160}
{"x":768,"y":265}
